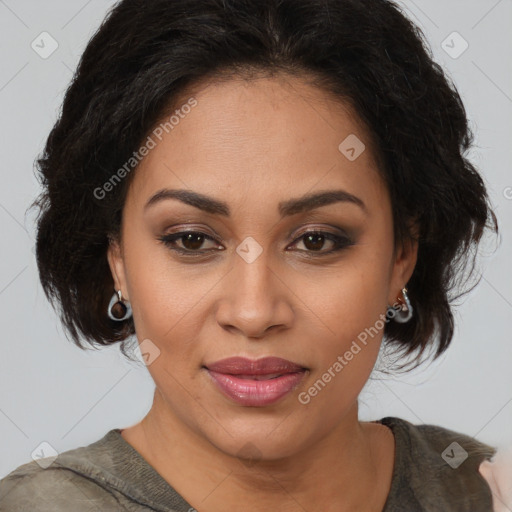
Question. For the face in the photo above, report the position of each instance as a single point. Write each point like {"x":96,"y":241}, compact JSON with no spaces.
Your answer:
{"x":250,"y":264}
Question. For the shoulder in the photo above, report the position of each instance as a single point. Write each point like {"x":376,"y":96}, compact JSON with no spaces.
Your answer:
{"x":32,"y":488}
{"x":441,"y":466}
{"x":75,"y":477}
{"x":454,"y":448}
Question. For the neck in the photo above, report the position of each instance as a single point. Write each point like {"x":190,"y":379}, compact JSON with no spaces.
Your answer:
{"x":338,"y":472}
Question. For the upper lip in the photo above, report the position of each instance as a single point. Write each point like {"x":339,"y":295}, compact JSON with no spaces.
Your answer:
{"x":263,"y":366}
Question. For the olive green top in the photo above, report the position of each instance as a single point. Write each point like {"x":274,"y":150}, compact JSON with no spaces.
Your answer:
{"x":430,"y":474}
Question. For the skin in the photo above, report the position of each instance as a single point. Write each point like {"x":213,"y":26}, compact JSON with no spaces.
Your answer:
{"x":253,"y":144}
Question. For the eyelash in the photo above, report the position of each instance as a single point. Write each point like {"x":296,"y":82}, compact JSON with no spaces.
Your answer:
{"x":340,"y":242}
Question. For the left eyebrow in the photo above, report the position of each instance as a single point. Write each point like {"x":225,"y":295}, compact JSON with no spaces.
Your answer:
{"x":317,"y":200}
{"x":286,"y":208}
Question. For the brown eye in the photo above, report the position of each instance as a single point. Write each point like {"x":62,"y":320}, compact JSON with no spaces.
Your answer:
{"x":315,"y":241}
{"x":192,"y":241}
{"x":188,"y":242}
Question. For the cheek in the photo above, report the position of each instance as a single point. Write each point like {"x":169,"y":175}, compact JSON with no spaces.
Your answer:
{"x":167,"y":298}
{"x":354,"y":296}
{"x":345,"y":358}
{"x":352,"y":309}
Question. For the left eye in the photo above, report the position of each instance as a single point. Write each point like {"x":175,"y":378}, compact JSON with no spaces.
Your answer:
{"x":315,"y":240}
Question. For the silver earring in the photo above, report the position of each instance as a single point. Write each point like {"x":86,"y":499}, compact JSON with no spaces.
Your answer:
{"x":406,"y":310}
{"x":118,"y":309}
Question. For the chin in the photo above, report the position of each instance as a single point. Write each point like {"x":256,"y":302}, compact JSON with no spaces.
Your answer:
{"x":252,"y":441}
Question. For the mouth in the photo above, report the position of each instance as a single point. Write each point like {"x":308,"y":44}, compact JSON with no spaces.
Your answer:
{"x":255,"y":383}
{"x":259,"y":377}
{"x":266,"y":366}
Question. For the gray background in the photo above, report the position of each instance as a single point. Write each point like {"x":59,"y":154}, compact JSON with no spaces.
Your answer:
{"x":52,"y":391}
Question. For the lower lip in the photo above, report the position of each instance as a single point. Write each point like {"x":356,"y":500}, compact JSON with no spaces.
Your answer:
{"x":256,"y":393}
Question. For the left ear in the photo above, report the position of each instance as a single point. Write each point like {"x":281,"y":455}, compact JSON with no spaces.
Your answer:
{"x":406,"y":255}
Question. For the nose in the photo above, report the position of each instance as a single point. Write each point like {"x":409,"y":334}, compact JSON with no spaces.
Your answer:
{"x":255,"y":299}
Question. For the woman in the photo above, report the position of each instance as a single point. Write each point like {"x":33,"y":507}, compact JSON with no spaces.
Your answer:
{"x":263,"y":192}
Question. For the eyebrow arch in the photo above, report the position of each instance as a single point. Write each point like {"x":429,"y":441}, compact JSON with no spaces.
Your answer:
{"x":286,"y":208}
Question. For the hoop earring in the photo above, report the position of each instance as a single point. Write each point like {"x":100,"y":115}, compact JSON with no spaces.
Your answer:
{"x":119,"y":310}
{"x":406,"y":310}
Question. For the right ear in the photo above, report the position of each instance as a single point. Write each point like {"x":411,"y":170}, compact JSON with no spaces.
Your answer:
{"x":116,"y":264}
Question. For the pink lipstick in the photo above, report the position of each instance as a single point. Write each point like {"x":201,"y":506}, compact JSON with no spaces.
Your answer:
{"x":255,"y":383}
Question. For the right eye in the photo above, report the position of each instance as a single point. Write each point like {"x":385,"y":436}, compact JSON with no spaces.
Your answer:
{"x":191,"y":242}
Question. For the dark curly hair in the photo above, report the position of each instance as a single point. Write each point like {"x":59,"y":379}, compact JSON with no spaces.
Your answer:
{"x":148,"y":53}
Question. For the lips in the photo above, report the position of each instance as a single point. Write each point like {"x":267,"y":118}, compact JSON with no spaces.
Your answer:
{"x":259,"y":377}
{"x":257,"y":382}
{"x":264,"y":366}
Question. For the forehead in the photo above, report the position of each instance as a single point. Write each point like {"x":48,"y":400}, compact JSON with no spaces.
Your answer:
{"x":261,"y":138}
